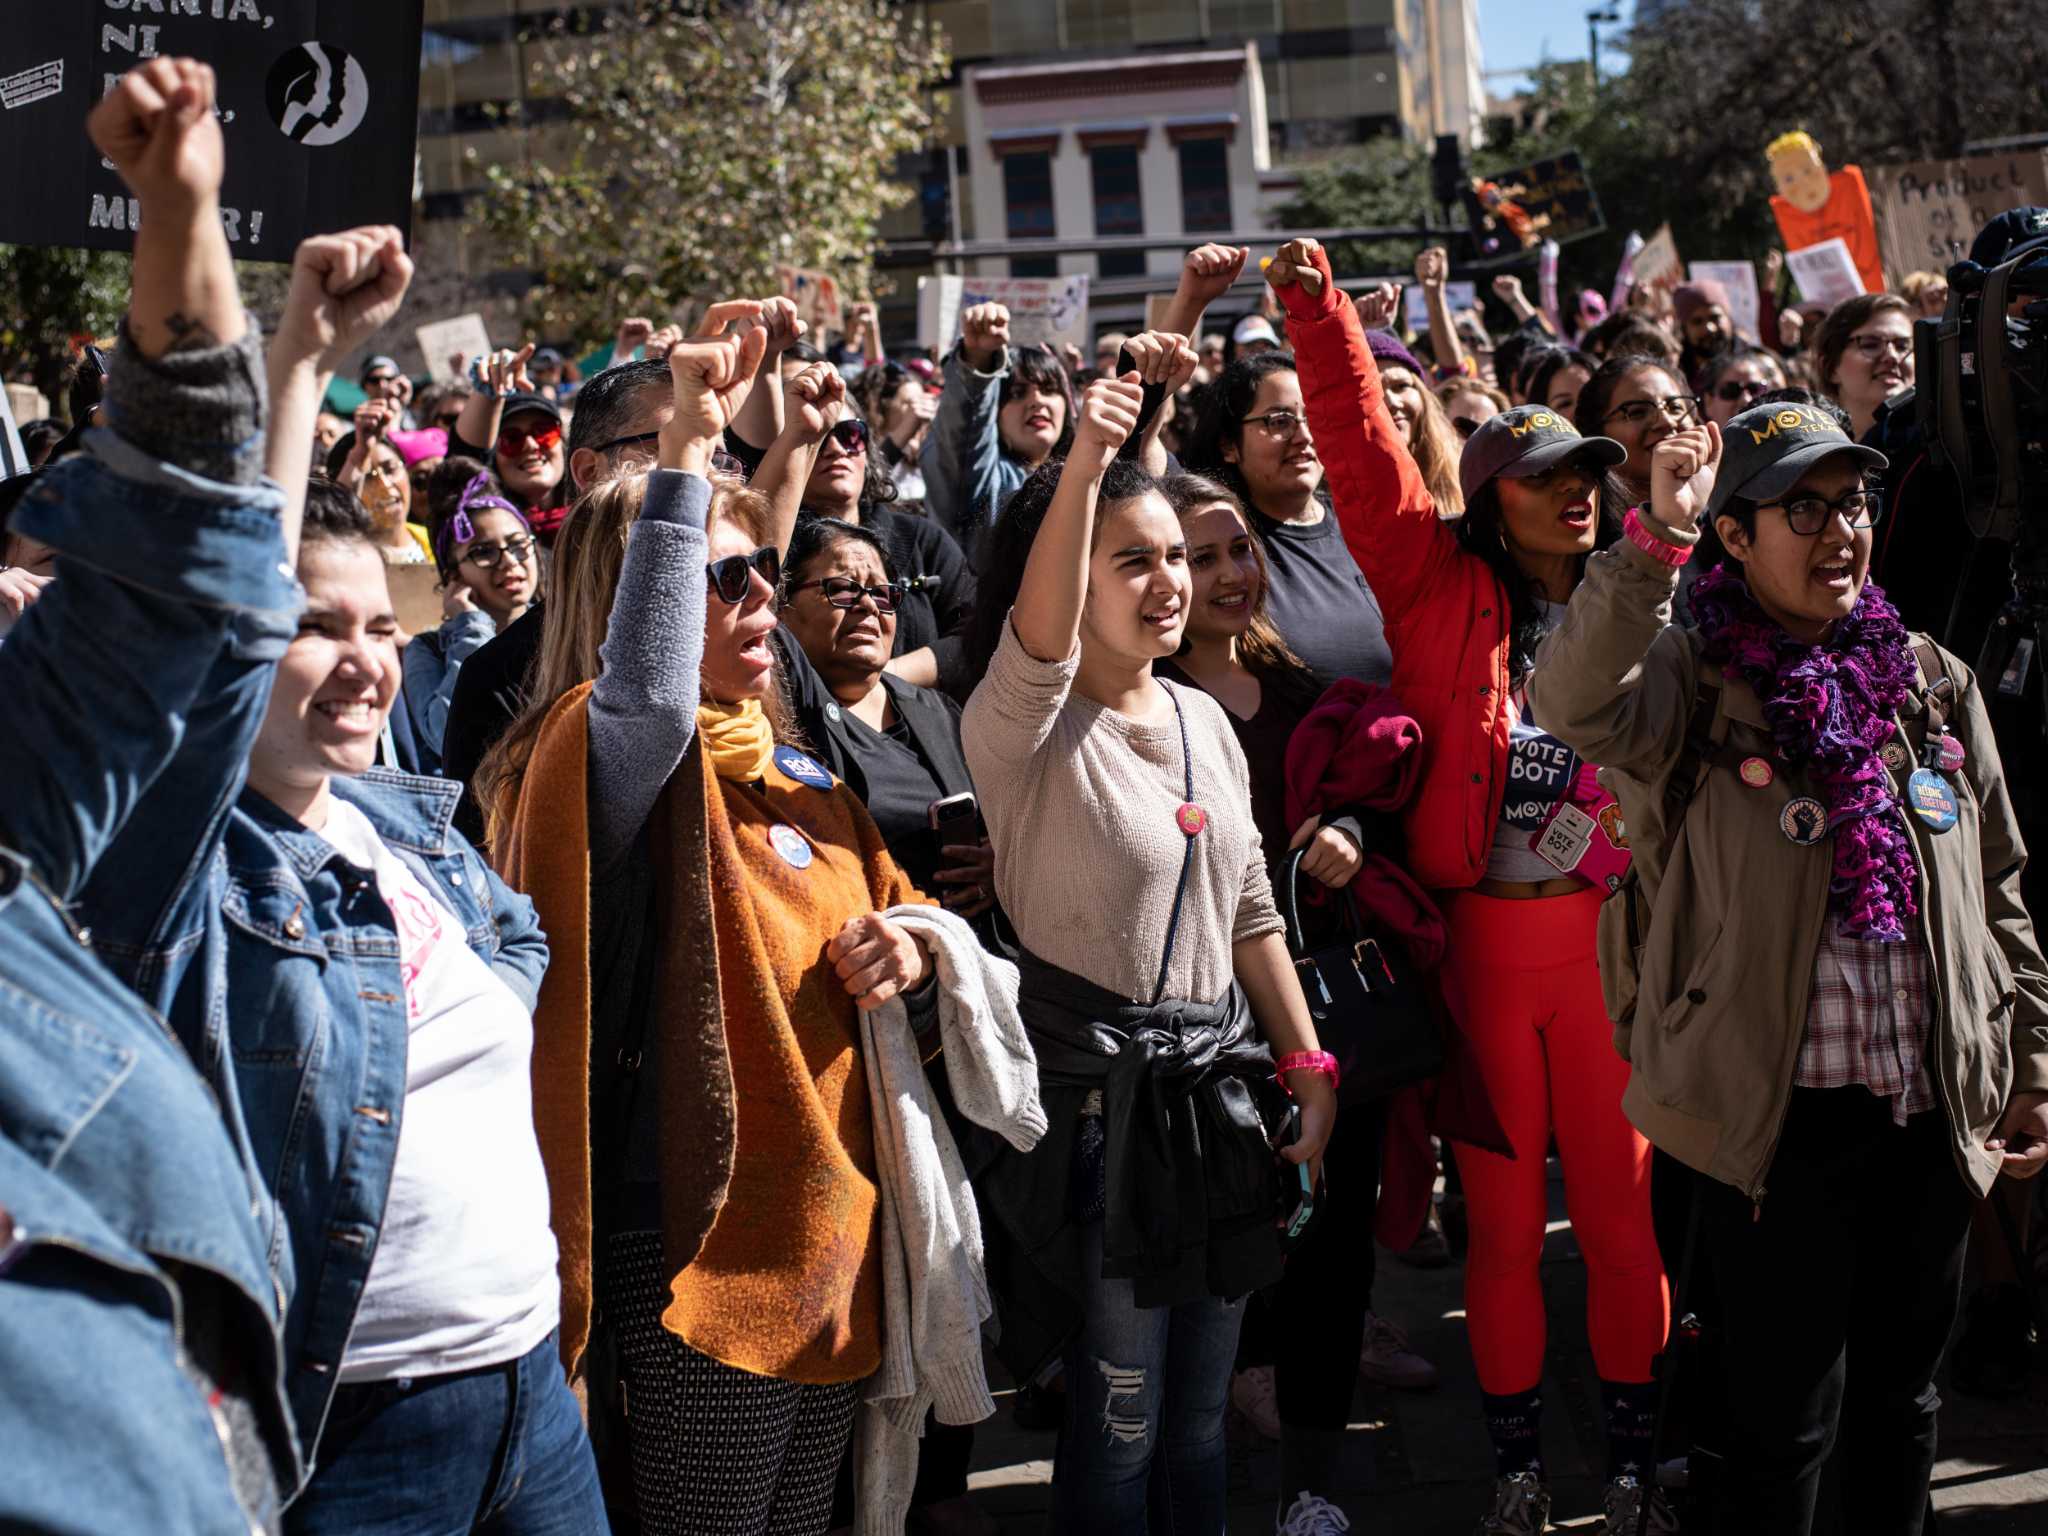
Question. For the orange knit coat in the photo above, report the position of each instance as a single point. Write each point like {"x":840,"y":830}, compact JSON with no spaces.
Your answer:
{"x":769,"y":1222}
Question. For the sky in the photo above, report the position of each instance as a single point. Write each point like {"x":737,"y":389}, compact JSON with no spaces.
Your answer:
{"x":1519,"y":32}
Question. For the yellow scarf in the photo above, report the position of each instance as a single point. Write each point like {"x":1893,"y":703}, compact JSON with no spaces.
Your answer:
{"x":738,"y":741}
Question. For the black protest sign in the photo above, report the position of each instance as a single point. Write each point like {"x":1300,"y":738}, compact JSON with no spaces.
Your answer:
{"x":1517,"y":210}
{"x":318,"y":103}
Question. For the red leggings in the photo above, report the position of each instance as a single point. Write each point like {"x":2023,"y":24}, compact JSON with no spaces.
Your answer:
{"x":1522,"y":982}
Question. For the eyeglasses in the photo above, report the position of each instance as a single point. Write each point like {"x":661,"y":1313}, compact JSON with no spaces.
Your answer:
{"x":1682,"y":408}
{"x":851,"y":435}
{"x":1874,"y":347}
{"x":733,"y":577}
{"x":1745,"y":390}
{"x":845,"y":592}
{"x":447,"y":420}
{"x":637,"y":440}
{"x":1808,"y":515}
{"x":1279,"y":424}
{"x":511,"y":440}
{"x":485,"y":557}
{"x":1465,"y":426}
{"x":377,"y":380}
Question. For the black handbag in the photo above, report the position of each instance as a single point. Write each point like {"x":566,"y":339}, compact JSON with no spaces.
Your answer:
{"x":1366,"y":999}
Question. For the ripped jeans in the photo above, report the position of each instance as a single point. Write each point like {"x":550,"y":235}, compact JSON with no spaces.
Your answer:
{"x":1142,"y":1447}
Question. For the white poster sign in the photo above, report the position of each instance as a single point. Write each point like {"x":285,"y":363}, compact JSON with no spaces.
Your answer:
{"x":1460,"y":296}
{"x":1745,"y":308}
{"x":1044,"y":311}
{"x":442,"y":341}
{"x":1826,"y":273}
{"x":1657,"y":264}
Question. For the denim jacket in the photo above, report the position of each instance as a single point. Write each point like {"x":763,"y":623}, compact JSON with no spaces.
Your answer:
{"x":124,"y":1202}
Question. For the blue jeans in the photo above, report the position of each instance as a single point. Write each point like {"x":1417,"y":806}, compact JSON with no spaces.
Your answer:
{"x":1142,"y":1446}
{"x":499,"y":1451}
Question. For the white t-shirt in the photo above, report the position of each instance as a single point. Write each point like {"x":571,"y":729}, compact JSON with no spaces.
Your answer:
{"x":1540,"y":771}
{"x":464,"y":1274}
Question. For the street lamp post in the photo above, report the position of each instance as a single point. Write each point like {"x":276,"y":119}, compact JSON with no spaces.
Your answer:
{"x":1593,"y":19}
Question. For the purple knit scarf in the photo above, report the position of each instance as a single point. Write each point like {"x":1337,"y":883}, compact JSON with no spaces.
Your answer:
{"x":1831,"y":706}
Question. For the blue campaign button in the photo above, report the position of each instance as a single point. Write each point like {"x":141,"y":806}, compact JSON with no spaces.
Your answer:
{"x":801,"y":768}
{"x":1931,"y":799}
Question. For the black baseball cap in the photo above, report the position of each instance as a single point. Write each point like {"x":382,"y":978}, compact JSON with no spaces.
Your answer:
{"x":516,"y":405}
{"x":1765,"y":449}
{"x":1526,"y":441}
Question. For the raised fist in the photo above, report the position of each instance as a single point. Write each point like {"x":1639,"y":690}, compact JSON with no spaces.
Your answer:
{"x":343,"y":289}
{"x":157,"y":127}
{"x":984,"y":335}
{"x":1207,"y":271}
{"x":1108,"y":413}
{"x":1296,"y":262}
{"x":1433,"y":267}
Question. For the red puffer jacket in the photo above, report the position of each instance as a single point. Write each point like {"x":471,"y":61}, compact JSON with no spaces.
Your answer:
{"x":1447,"y":617}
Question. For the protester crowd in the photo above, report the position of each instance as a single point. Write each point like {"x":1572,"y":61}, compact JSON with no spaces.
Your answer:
{"x":1100,"y":852}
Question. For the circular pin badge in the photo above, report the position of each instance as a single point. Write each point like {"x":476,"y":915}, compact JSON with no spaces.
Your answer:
{"x":1192,"y":818}
{"x":802,"y":768}
{"x":1927,"y":792}
{"x":1951,"y":754}
{"x":1756,"y":772}
{"x":832,"y":713}
{"x":1893,"y":755}
{"x":794,"y":847}
{"x":1804,"y":821}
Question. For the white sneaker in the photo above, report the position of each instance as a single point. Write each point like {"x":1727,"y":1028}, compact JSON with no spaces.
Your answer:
{"x":1386,"y":1358}
{"x":1311,"y":1516}
{"x":1252,"y":1394}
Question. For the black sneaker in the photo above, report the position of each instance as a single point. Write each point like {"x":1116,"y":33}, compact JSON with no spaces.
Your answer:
{"x":1992,"y":1357}
{"x":1624,"y":1510}
{"x":1521,"y":1507}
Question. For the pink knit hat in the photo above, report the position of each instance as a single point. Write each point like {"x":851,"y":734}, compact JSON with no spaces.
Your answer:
{"x":426,"y":443}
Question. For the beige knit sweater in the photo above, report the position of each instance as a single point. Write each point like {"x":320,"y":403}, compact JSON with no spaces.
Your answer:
{"x":1080,"y":803}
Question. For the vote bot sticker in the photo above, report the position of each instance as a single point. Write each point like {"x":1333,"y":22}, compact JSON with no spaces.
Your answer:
{"x":1564,"y":842}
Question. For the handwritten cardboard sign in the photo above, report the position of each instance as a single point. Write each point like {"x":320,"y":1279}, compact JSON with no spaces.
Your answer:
{"x":1044,"y":311}
{"x":1928,"y":212}
{"x":318,"y":102}
{"x":415,"y":597}
{"x":1657,"y":264}
{"x":441,"y":341}
{"x":817,"y":299}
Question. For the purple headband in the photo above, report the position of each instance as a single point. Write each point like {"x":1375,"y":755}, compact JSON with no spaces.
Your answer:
{"x":476,"y":496}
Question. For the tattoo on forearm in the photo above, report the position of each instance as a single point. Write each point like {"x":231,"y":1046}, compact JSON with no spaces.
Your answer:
{"x":188,"y":334}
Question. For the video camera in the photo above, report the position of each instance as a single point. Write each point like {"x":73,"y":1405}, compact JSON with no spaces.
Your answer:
{"x":1981,"y":409}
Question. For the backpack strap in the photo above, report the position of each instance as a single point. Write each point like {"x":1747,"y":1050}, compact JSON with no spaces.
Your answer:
{"x":1935,"y":682}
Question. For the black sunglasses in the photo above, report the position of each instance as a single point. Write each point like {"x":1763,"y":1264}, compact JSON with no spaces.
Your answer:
{"x":732,"y":577}
{"x":851,"y":435}
{"x":845,"y":592}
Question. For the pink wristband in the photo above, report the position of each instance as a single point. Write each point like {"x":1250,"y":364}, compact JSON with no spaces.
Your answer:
{"x":1657,"y":549}
{"x":1306,"y":1061}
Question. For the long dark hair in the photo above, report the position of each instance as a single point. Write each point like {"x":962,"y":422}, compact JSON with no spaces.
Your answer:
{"x":1006,"y":547}
{"x":1263,"y":649}
{"x":1220,"y":410}
{"x":1038,"y":366}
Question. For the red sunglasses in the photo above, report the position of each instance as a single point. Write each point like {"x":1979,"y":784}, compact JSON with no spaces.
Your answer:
{"x":512,"y":439}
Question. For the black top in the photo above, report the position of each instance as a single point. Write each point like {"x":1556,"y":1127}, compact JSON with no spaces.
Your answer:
{"x":489,"y":691}
{"x":1320,"y":603}
{"x":1264,"y":739}
{"x":897,"y":773}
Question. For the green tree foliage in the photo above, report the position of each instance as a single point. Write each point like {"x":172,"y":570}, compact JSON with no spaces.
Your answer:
{"x":1679,"y":136}
{"x":48,"y":295}
{"x":706,"y":143}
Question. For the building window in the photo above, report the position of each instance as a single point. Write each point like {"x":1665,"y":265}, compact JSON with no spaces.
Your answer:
{"x":1119,"y":206}
{"x":1034,"y":266}
{"x":1027,"y":189}
{"x":1205,"y":185}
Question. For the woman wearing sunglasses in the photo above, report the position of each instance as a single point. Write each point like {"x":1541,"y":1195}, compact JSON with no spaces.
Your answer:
{"x":1834,"y":1008}
{"x":1468,"y":601}
{"x":1735,"y":378}
{"x":848,"y":483}
{"x":1863,"y":355}
{"x":518,"y":432}
{"x":490,"y":573}
{"x":714,"y":900}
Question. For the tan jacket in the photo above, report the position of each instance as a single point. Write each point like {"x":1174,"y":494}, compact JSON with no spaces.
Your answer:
{"x":1710,"y":999}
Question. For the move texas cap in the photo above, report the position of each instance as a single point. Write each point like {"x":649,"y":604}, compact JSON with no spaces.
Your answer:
{"x":1526,"y":441}
{"x":1766,"y":448}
